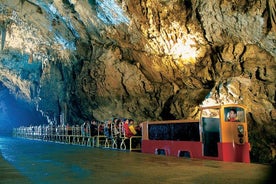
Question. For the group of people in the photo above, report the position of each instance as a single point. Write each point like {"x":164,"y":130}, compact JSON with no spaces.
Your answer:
{"x":112,"y":128}
{"x":117,"y":130}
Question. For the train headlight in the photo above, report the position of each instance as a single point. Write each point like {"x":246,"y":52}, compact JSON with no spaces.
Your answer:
{"x":240,"y":133}
{"x":240,"y":129}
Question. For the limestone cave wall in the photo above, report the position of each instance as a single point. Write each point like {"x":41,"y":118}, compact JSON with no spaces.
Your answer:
{"x":144,"y":59}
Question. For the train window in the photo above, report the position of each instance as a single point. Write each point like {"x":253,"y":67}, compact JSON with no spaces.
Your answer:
{"x":234,"y":114}
{"x":174,"y":131}
{"x":210,"y":113}
{"x":159,"y":132}
{"x":185,"y":132}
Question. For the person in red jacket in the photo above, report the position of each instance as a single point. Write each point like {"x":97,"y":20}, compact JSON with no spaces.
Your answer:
{"x":233,"y":116}
{"x":127,"y":131}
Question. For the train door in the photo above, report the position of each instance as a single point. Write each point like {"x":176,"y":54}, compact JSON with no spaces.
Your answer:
{"x":234,"y":141}
{"x":210,"y":122}
{"x":234,"y":126}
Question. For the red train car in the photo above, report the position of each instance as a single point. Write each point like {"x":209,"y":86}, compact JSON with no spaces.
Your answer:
{"x":220,"y":134}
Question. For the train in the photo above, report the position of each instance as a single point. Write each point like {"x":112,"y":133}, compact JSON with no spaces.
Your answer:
{"x":221,"y":133}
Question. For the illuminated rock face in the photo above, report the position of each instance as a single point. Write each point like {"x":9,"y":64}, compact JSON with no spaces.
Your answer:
{"x":150,"y":59}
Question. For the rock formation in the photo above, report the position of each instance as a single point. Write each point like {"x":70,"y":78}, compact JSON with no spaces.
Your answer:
{"x":145,"y":59}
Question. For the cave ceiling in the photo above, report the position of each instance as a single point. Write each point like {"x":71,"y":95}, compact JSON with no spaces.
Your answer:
{"x":142,"y":59}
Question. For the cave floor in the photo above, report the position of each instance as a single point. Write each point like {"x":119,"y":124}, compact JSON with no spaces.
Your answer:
{"x":30,"y":161}
{"x":9,"y":174}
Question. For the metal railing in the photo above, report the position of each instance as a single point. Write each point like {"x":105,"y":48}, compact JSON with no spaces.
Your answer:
{"x":80,"y":135}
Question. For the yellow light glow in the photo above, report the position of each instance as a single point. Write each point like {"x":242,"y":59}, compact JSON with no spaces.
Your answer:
{"x":185,"y":51}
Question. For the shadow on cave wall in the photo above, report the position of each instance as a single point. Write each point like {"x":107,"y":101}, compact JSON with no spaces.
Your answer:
{"x":165,"y":114}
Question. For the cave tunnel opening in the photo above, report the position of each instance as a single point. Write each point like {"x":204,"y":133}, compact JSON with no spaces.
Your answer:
{"x":15,"y":112}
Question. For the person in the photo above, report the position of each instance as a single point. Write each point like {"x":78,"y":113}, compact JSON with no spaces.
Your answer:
{"x":101,"y":128}
{"x":138,"y":129}
{"x":83,"y":127}
{"x":107,"y":129}
{"x":127,"y":131}
{"x":116,"y":129}
{"x":131,"y":127}
{"x":233,"y":116}
{"x":134,"y":131}
{"x":93,"y":128}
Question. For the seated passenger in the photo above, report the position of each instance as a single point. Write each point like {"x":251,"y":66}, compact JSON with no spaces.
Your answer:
{"x":232,"y":117}
{"x":116,"y":127}
{"x":138,"y":129}
{"x":94,"y":128}
{"x":83,"y":127}
{"x":101,"y":128}
{"x":135,"y":130}
{"x":131,"y":127}
{"x":128,"y":133}
{"x":107,"y":129}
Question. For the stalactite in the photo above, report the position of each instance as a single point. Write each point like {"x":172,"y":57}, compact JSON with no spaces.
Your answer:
{"x":3,"y":28}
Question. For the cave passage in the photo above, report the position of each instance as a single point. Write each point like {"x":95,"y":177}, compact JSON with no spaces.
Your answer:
{"x":15,"y":112}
